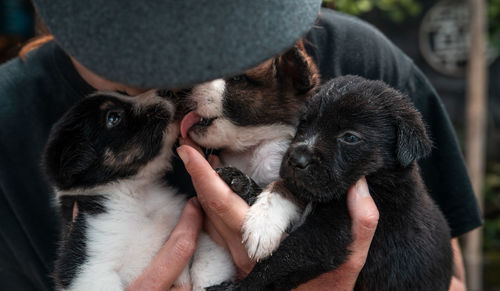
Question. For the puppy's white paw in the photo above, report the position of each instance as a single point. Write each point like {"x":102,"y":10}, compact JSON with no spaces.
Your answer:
{"x":266,"y":222}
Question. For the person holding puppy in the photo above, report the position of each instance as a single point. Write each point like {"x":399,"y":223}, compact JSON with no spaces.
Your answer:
{"x":131,"y":46}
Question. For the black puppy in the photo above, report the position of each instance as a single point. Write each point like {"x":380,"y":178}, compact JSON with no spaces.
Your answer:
{"x":351,"y":127}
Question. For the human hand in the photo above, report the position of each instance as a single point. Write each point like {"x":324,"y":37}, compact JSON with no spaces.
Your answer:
{"x":174,"y":255}
{"x":364,"y":219}
{"x":224,"y":209}
{"x":227,"y":212}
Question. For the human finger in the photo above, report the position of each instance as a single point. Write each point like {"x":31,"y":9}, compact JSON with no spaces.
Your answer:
{"x":210,"y":229}
{"x":457,"y":285}
{"x":216,"y":198}
{"x":191,"y":143}
{"x":213,"y":160}
{"x":364,"y":219}
{"x":223,"y":207}
{"x":175,"y":254}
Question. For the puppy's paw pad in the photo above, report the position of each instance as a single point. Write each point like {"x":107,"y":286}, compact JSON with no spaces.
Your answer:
{"x":235,"y":179}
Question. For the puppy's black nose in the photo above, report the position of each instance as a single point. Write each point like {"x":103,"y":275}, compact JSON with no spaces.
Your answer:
{"x":300,"y":157}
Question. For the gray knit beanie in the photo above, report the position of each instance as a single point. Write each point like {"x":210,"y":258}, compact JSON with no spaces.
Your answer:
{"x":174,"y":43}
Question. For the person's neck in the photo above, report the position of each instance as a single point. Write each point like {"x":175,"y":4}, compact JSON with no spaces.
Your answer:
{"x":100,"y":83}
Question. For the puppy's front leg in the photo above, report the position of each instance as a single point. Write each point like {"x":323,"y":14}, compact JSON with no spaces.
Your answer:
{"x":272,"y":211}
{"x":268,"y":219}
{"x":317,"y":246}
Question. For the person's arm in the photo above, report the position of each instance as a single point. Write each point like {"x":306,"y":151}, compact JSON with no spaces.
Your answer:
{"x":174,"y":255}
{"x":227,"y":211}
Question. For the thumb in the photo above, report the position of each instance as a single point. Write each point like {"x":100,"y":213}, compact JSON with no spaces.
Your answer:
{"x":203,"y":176}
{"x":364,"y":216}
{"x":213,"y":193}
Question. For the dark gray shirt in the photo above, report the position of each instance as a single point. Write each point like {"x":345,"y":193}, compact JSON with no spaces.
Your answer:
{"x":34,"y":93}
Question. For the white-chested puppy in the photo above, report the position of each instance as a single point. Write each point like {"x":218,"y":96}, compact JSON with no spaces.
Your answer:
{"x":251,"y":117}
{"x":109,"y":154}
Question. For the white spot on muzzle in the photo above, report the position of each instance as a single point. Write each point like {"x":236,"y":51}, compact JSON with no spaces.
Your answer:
{"x":208,"y":97}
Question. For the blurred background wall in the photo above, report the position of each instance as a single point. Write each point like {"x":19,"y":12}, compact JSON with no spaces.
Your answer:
{"x":432,"y":33}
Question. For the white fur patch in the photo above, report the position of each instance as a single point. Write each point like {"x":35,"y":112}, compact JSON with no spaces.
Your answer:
{"x":309,"y":142}
{"x":208,"y":97}
{"x":261,"y":163}
{"x":223,"y":134}
{"x":122,"y":241}
{"x":210,"y":263}
{"x":266,"y":223}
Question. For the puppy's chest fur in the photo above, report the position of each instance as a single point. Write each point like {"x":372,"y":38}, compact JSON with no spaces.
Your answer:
{"x":132,"y":224}
{"x":260,"y":162}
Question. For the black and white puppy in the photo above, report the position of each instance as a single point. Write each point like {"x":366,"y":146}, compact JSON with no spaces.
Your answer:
{"x":351,"y":127}
{"x":109,"y":153}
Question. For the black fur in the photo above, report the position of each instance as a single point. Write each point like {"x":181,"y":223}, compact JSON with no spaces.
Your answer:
{"x":362,"y":128}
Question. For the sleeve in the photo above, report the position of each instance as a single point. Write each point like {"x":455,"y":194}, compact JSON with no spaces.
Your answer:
{"x":19,"y":267}
{"x":444,"y":171}
{"x":342,"y":45}
{"x":28,"y":224}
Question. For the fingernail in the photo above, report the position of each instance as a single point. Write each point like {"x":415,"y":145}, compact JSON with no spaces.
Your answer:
{"x":362,"y":187}
{"x":183,"y":155}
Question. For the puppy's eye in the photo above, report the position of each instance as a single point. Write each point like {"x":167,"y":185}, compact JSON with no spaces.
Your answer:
{"x":113,"y":118}
{"x":239,"y":78}
{"x":166,"y":93}
{"x":350,"y":138}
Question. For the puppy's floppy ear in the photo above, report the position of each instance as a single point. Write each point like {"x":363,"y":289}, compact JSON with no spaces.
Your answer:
{"x":412,"y":140}
{"x":66,"y":159}
{"x":297,"y":67}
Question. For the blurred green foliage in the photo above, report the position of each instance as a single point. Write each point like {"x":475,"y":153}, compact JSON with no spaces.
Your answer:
{"x":494,"y":22}
{"x":396,"y":10}
{"x":400,"y":10}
